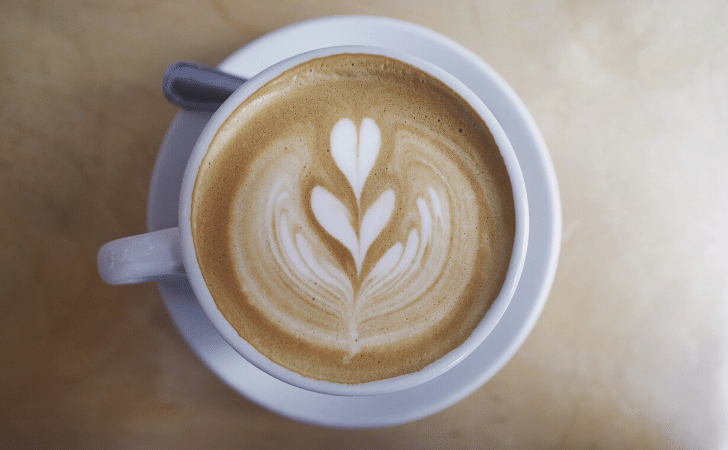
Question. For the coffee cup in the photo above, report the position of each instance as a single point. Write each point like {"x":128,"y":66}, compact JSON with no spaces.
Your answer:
{"x":352,"y":220}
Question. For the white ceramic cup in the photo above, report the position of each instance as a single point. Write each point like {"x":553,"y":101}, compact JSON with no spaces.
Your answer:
{"x":170,"y":253}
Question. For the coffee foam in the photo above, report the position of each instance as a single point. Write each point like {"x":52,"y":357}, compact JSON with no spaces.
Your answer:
{"x":353,"y":219}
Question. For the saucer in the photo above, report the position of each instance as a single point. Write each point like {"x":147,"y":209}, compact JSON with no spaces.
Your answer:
{"x":538,"y":272}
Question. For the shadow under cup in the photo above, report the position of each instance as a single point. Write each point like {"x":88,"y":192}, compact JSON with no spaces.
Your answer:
{"x":346,"y":225}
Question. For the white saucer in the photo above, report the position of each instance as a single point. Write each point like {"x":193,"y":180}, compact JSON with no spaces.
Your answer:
{"x":538,"y":272}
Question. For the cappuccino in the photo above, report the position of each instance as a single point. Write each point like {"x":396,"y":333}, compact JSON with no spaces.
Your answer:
{"x":353,"y":219}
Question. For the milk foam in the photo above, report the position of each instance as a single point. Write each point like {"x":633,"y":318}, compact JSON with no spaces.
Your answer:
{"x":402,"y":278}
{"x":353,"y":219}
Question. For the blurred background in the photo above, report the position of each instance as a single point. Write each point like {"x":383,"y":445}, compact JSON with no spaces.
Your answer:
{"x":631,"y":350}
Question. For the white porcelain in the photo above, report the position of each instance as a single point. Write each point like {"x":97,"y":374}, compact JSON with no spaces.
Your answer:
{"x":147,"y":257}
{"x":518,"y":319}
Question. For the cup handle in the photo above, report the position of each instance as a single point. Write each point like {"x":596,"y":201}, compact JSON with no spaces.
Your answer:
{"x":145,"y":257}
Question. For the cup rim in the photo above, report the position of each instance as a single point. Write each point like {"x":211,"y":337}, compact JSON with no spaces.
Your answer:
{"x":388,"y":385}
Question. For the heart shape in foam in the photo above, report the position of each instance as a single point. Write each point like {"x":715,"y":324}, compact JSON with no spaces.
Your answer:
{"x":355,"y":157}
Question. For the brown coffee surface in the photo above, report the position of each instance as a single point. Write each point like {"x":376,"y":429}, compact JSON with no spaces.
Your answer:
{"x":354,"y":219}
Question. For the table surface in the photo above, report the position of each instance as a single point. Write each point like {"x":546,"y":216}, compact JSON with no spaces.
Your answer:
{"x":629,"y":352}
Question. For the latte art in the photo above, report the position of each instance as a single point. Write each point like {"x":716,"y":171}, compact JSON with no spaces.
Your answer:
{"x":345,"y":237}
{"x":359,"y":305}
{"x":355,"y":158}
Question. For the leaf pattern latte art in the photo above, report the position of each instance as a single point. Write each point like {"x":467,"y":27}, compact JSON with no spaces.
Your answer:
{"x":396,"y":296}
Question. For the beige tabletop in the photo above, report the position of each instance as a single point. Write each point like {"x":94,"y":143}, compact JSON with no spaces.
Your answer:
{"x":631,"y":350}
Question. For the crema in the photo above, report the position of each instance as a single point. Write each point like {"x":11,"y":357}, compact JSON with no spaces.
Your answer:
{"x":353,"y":219}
